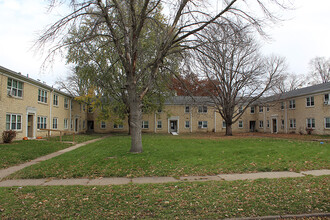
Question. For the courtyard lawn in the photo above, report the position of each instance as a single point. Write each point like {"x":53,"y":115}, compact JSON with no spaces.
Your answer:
{"x":166,"y":155}
{"x":22,"y":151}
{"x":197,"y":200}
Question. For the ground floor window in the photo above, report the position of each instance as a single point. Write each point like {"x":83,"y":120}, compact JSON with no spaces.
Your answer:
{"x":327,"y":122}
{"x":84,"y":123}
{"x":118,"y":126}
{"x":187,"y":124}
{"x":159,"y":124}
{"x":55,"y":123}
{"x":292,"y":123}
{"x":282,"y":124}
{"x":103,"y":125}
{"x":65,"y":123}
{"x":224,"y":124}
{"x":145,"y":124}
{"x":42,"y":122}
{"x":261,"y":124}
{"x":240,"y":124}
{"x":13,"y":122}
{"x":310,"y":123}
{"x":202,"y":124}
{"x":268,"y":123}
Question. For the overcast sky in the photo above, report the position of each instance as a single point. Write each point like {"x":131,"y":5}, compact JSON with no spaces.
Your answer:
{"x":304,"y":35}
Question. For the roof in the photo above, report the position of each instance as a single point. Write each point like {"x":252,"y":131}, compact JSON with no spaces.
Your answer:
{"x":188,"y":100}
{"x":319,"y":88}
{"x":19,"y":76}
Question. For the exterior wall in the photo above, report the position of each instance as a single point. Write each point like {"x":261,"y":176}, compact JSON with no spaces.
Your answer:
{"x":29,"y":108}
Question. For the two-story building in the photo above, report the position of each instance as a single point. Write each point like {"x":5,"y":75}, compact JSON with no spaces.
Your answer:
{"x":28,"y":105}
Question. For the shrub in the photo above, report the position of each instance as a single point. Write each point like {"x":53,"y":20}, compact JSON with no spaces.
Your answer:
{"x":8,"y":136}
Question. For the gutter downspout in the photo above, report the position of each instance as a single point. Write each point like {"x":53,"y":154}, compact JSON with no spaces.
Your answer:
{"x":191,"y":124}
{"x":286,"y":118}
{"x":71,"y":123}
{"x":265,"y":123}
{"x":215,"y":121}
{"x":50,"y":111}
{"x":155,"y":129}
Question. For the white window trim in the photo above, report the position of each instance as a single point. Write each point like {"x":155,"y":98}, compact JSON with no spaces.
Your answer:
{"x":161,"y":124}
{"x":56,"y":99}
{"x":44,"y":124}
{"x":311,"y":123}
{"x":203,"y":123}
{"x":185,"y":108}
{"x":103,"y":123}
{"x":44,"y":96}
{"x":144,"y":123}
{"x":325,"y":123}
{"x":310,"y":102}
{"x":293,"y":102}
{"x":254,"y":109}
{"x":295,"y":123}
{"x":202,"y":108}
{"x":55,"y":119}
{"x":10,"y":91}
{"x":240,"y":121}
{"x":185,"y":124}
{"x":10,"y":122}
{"x":119,"y":126}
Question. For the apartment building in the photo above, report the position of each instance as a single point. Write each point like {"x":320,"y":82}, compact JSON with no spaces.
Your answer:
{"x":28,"y":105}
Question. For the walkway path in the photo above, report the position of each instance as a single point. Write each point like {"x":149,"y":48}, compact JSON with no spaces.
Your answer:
{"x":138,"y":180}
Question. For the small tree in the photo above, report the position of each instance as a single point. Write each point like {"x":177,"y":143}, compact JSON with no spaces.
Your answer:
{"x":8,"y":136}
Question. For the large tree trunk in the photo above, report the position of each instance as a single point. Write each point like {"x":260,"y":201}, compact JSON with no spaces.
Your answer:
{"x":229,"y":131}
{"x":135,"y":122}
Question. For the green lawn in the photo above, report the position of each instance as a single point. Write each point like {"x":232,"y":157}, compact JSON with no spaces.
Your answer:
{"x":22,"y":151}
{"x":166,"y":155}
{"x":198,"y":200}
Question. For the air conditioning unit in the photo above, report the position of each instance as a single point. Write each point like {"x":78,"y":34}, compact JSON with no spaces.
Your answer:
{"x":10,"y":92}
{"x":327,"y":102}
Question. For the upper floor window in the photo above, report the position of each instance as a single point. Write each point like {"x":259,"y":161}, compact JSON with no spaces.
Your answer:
{"x":252,"y":109}
{"x":84,"y":107}
{"x":292,"y":104}
{"x":42,"y":96}
{"x":327,"y":99}
{"x":13,"y":122}
{"x":310,"y":122}
{"x":282,"y":105}
{"x":202,"y":109}
{"x":310,"y":101}
{"x":66,"y":103}
{"x":267,"y":108}
{"x":261,"y":109}
{"x":55,"y":100}
{"x":14,"y":88}
{"x":42,"y":122}
{"x":187,"y":109}
{"x":240,"y":109}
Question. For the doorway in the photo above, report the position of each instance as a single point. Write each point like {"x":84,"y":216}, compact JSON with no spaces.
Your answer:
{"x":76,"y":125}
{"x":274,"y":122}
{"x":30,"y":126}
{"x":173,"y":126}
{"x":90,"y":126}
{"x":252,"y":126}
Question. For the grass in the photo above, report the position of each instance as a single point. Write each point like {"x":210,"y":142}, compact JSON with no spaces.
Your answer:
{"x":197,"y":200}
{"x":22,"y":151}
{"x":166,"y":155}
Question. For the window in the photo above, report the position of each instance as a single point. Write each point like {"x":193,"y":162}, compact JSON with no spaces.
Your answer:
{"x":187,"y":124}
{"x":55,"y":100}
{"x":103,"y":125}
{"x":90,"y":109}
{"x":252,"y":108}
{"x":310,"y":123}
{"x":42,"y":96}
{"x":42,"y":122}
{"x":13,"y":122}
{"x":261,"y":124}
{"x":66,"y":103}
{"x":84,"y":107}
{"x":282,"y":105}
{"x":202,"y":109}
{"x":145,"y":124}
{"x":327,"y":99}
{"x":14,"y":88}
{"x":261,"y":109}
{"x":240,"y":124}
{"x":268,"y":123}
{"x":310,"y":101}
{"x":240,"y":109}
{"x":54,"y":123}
{"x":292,"y":104}
{"x":65,"y":123}
{"x":71,"y":125}
{"x":292,"y":123}
{"x":202,"y":124}
{"x":159,"y":124}
{"x":187,"y":109}
{"x":224,"y":124}
{"x":118,"y":126}
{"x":282,"y":124}
{"x":267,"y":108}
{"x":159,"y":110}
{"x":327,"y":122}
{"x":84,"y":124}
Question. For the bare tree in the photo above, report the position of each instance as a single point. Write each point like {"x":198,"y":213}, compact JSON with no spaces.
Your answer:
{"x":228,"y":56}
{"x":122,"y":25}
{"x":288,"y":82}
{"x":320,"y":70}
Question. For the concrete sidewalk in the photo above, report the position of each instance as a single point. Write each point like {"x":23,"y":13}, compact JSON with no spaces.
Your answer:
{"x":144,"y":180}
{"x":13,"y":169}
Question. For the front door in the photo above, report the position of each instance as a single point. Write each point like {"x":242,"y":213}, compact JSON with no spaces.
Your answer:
{"x":173,"y":126}
{"x":76,"y":125}
{"x":274,"y":125}
{"x":252,"y":126}
{"x":90,"y":126}
{"x":30,"y":126}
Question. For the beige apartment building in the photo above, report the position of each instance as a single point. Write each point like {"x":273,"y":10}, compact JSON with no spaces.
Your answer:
{"x":28,"y":105}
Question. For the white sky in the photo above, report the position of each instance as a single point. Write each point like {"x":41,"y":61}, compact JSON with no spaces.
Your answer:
{"x":304,"y":35}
